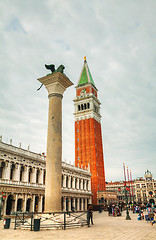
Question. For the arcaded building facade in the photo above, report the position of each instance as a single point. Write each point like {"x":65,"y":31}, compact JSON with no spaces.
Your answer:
{"x":22,"y":181}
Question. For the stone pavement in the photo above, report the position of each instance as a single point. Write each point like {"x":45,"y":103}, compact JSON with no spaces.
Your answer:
{"x":104,"y":228}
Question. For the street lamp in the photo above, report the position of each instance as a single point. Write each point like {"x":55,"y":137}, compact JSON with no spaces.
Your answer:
{"x":126,"y":189}
{"x":127,"y":211}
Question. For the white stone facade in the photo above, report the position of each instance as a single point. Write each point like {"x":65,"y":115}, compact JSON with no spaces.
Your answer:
{"x":146,"y":188}
{"x":115,"y":186}
{"x":22,"y":181}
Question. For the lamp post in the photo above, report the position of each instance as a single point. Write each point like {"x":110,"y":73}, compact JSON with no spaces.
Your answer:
{"x":126,"y":197}
{"x":126,"y":189}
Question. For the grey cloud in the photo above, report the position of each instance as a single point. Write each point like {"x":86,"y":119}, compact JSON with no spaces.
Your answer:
{"x":119,"y":42}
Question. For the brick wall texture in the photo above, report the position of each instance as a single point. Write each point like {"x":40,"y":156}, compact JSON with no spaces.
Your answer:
{"x":88,"y":149}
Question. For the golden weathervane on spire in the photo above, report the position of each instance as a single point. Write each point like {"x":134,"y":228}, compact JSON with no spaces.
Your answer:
{"x":84,"y":58}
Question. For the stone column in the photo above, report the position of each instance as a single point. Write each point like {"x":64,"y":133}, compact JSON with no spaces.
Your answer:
{"x":74,"y":203}
{"x":64,"y":204}
{"x":15,"y":206}
{"x":5,"y":205}
{"x":24,"y":203}
{"x":33,"y":176}
{"x":40,"y":203}
{"x":40,"y":180}
{"x":85,"y":183}
{"x":16,"y":176}
{"x":89,"y":185}
{"x":81,"y":184}
{"x":69,"y":204}
{"x":64,"y":181}
{"x":69,"y":181}
{"x":6,"y":173}
{"x":25,"y":174}
{"x":77,"y":187}
{"x":56,"y":84}
{"x":73,"y":183}
{"x":85,"y":204}
{"x":32,"y":204}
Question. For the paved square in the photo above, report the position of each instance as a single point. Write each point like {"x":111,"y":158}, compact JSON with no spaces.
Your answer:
{"x":105,"y":227}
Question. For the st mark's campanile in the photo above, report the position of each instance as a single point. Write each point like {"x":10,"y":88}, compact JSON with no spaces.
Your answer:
{"x":88,"y":136}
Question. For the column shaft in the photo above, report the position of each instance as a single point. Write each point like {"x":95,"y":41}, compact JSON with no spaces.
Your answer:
{"x":53,"y":190}
{"x":16,"y":176}
{"x":6,"y":173}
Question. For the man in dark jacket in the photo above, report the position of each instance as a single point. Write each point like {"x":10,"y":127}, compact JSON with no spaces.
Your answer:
{"x":90,"y":215}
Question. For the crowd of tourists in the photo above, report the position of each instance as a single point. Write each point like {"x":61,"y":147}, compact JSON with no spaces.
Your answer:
{"x":114,"y":210}
{"x":147,"y":212}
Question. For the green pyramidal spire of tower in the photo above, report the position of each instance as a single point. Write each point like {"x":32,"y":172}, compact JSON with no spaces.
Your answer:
{"x":85,"y":76}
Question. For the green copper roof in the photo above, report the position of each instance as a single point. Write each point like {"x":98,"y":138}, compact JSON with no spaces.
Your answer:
{"x":85,"y":76}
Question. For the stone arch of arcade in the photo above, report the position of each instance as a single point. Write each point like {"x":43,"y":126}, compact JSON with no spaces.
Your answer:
{"x":9,"y":204}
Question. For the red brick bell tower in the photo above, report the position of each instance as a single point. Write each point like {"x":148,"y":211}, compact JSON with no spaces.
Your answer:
{"x":88,"y":137}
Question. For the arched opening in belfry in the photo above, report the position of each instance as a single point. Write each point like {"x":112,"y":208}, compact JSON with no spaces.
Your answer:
{"x":88,"y":105}
{"x":28,"y":205}
{"x":85,"y":106}
{"x":19,"y":205}
{"x":12,"y":171}
{"x":9,"y":204}
{"x":81,"y":106}
{"x":21,"y":173}
{"x":78,"y":107}
{"x":36,"y":203}
{"x":2,"y":169}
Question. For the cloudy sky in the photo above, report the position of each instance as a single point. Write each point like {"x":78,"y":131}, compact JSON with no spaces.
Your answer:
{"x":118,"y":37}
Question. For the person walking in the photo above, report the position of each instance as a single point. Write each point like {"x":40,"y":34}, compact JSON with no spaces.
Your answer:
{"x":154,"y":219}
{"x":90,"y":215}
